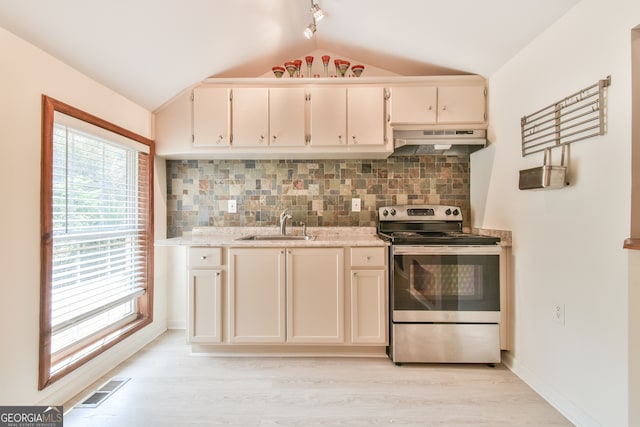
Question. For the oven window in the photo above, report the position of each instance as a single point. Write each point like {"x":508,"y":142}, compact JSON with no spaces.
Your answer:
{"x":446,"y":282}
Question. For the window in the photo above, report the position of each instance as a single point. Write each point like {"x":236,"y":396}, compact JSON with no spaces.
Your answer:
{"x":97,"y":228}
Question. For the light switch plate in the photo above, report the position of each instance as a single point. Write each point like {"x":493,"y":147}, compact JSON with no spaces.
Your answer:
{"x":232,"y":206}
{"x":355,"y":205}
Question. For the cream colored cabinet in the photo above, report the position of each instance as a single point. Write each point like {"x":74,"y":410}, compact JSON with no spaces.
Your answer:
{"x":256,"y":295}
{"x":264,"y":117}
{"x":250,"y":117}
{"x":328,"y":116}
{"x":438,"y":105}
{"x":211,"y":114}
{"x":315,"y":295}
{"x":204,"y":322}
{"x":347,"y":116}
{"x":287,"y":117}
{"x":366,"y":115}
{"x":368,"y":296}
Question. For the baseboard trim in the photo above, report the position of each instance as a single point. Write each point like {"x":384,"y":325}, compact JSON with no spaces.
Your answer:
{"x":563,"y":405}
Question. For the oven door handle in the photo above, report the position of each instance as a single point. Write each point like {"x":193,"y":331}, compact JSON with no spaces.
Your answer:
{"x":447,"y":250}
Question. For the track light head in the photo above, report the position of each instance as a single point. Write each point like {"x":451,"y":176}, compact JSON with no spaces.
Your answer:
{"x":310,"y":30}
{"x":318,"y":14}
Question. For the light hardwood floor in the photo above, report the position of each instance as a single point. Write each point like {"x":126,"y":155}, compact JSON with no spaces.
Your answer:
{"x":171,"y":387}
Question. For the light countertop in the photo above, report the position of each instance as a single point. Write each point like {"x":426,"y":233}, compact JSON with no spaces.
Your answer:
{"x":323,"y":236}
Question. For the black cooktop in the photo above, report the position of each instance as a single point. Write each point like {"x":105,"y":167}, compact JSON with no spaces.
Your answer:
{"x":438,"y":239}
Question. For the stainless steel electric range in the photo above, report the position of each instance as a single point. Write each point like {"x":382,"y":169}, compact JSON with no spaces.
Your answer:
{"x":445,"y":287}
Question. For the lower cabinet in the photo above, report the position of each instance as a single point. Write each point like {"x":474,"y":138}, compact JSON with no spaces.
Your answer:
{"x":315,"y":295}
{"x":257,"y":295}
{"x":306,"y":296}
{"x":204,"y":321}
{"x":368,"y":307}
{"x":311,"y":279}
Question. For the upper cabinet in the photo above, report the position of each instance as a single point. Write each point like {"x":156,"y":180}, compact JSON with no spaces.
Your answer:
{"x":444,"y":105}
{"x":341,"y":116}
{"x":313,"y":117}
{"x":211,"y":115}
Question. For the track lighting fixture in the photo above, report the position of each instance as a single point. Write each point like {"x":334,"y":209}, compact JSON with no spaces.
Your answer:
{"x":316,"y":15}
{"x":310,"y":30}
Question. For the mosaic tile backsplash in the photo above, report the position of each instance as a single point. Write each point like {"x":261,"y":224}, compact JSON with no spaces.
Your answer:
{"x":316,"y":192}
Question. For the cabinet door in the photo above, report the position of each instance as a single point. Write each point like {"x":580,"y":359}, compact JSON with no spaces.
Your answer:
{"x":315,"y":295}
{"x":205,"y":306}
{"x":413,"y":105}
{"x":368,"y":307}
{"x":365,"y":116}
{"x":328,"y":117}
{"x":287,"y":116}
{"x":461,"y":104}
{"x":210,"y":117}
{"x":250,"y":117}
{"x":256,"y":295}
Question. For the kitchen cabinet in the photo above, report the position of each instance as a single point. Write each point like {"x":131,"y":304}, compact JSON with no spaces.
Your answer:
{"x":328,"y":116}
{"x":256,"y":295}
{"x":366,"y":115}
{"x":287,"y":117}
{"x":315,"y":295}
{"x":250,"y":117}
{"x":368,"y":296}
{"x":268,"y":117}
{"x":438,"y":105}
{"x":211,"y":115}
{"x":204,"y":323}
{"x":347,"y":116}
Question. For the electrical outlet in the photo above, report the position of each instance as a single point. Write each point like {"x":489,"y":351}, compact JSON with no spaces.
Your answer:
{"x":355,"y":205}
{"x":232,"y":206}
{"x":558,"y":314}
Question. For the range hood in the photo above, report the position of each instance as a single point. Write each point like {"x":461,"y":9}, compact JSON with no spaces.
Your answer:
{"x":438,"y":142}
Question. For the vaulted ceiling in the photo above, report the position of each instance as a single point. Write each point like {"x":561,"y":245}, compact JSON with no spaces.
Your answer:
{"x":151,"y":50}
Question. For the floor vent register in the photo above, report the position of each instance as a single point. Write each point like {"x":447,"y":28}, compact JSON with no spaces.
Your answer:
{"x":100,"y":395}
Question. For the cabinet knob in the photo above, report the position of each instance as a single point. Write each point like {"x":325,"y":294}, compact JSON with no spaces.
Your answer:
{"x":261,"y":139}
{"x":220,"y":138}
{"x":444,"y":108}
{"x":340,"y":138}
{"x":430,"y":107}
{"x":203,"y":257}
{"x":368,"y":257}
{"x":354,"y":139}
{"x":217,"y":273}
{"x":274,"y":138}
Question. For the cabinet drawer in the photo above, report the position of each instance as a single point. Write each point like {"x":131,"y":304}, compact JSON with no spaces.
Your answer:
{"x":205,"y":257}
{"x":367,"y":257}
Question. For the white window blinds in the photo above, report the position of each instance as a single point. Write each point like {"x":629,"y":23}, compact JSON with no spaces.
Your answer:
{"x":100,"y":206}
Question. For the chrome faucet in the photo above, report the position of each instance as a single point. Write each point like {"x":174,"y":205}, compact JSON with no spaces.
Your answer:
{"x":284,"y":216}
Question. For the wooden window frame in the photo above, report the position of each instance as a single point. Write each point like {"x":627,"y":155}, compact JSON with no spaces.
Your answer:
{"x":145,"y":302}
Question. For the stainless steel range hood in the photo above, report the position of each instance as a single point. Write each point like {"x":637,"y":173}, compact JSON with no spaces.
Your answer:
{"x":438,"y":142}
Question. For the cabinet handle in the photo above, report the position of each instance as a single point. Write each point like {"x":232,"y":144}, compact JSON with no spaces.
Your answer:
{"x":430,"y":107}
{"x":220,"y":138}
{"x":444,"y":108}
{"x":261,"y":139}
{"x":368,"y":257}
{"x":354,"y":139}
{"x":340,"y":138}
{"x":217,"y":273}
{"x":274,"y":139}
{"x":203,"y":257}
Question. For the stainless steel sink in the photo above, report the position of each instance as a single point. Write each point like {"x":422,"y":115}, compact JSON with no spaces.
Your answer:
{"x":274,"y":237}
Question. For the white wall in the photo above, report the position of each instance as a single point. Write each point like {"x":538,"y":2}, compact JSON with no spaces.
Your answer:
{"x":563,"y":253}
{"x":25,"y":74}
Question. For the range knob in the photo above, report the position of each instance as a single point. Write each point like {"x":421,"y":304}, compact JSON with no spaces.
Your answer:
{"x":448,"y":211}
{"x":385,"y":212}
{"x":456,"y":211}
{"x":393,"y":212}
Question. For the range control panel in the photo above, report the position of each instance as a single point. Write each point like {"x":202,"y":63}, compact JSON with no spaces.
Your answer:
{"x":419,"y":213}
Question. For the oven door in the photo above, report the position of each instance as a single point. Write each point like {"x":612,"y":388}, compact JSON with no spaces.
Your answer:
{"x":446,"y":284}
